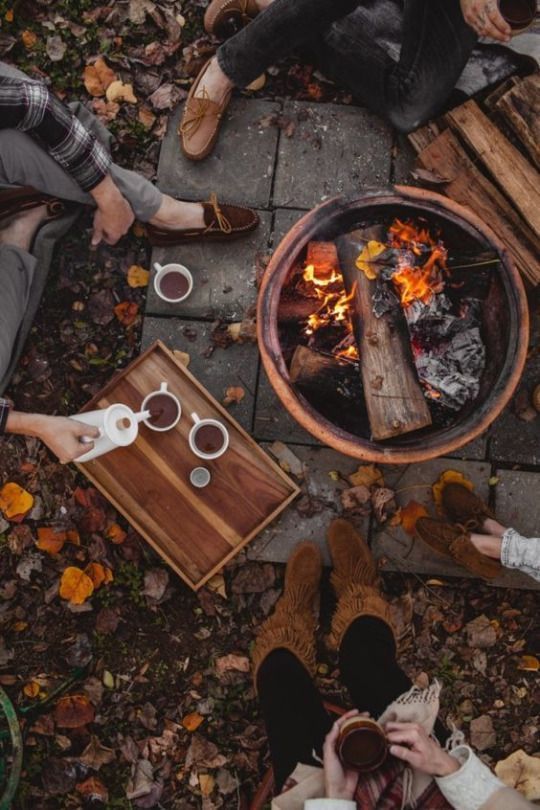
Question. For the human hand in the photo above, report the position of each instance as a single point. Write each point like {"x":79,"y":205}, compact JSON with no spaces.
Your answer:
{"x":340,"y":782}
{"x":114,"y":215}
{"x":411,"y":743}
{"x":485,"y":18}
{"x":63,"y":436}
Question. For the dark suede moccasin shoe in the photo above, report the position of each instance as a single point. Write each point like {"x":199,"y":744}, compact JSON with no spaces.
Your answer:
{"x":455,"y":544}
{"x":222,"y":223}
{"x":463,"y":506}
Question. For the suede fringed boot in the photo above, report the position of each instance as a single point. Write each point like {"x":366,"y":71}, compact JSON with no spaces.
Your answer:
{"x":294,"y":620}
{"x":355,"y":581}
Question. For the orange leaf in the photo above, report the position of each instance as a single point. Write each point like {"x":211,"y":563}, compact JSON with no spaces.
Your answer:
{"x":367,"y":475}
{"x":29,"y":39}
{"x":449,"y":477}
{"x":98,"y":77}
{"x":73,"y":537}
{"x":73,"y":711}
{"x":75,"y":585}
{"x":31,"y":689}
{"x":8,"y":16}
{"x":94,"y":790}
{"x":126,"y":312}
{"x":15,"y":501}
{"x":115,"y":534}
{"x":191,"y":722}
{"x":137,"y":276}
{"x":50,"y":540}
{"x":410,"y":514}
{"x":529,"y":663}
{"x":98,"y":573}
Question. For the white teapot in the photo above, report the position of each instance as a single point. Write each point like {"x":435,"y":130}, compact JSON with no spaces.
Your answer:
{"x":118,"y":427}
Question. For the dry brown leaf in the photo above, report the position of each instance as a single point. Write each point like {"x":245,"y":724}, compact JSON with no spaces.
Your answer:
{"x":118,"y":91}
{"x":137,"y":276}
{"x":233,"y":394}
{"x":73,"y":711}
{"x":98,"y":77}
{"x":191,"y":722}
{"x":238,"y":663}
{"x":529,"y":663}
{"x":93,"y":790}
{"x":522,"y":772}
{"x":95,"y":755}
{"x":449,"y":477}
{"x":367,"y":475}
{"x":75,"y":585}
{"x":482,"y":732}
{"x":126,"y":312}
{"x":206,"y":784}
{"x":15,"y":501}
{"x":217,"y":585}
{"x":356,"y":499}
{"x":146,"y":117}
{"x":410,"y":514}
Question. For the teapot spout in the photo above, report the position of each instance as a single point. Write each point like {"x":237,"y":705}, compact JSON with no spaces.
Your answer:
{"x":142,"y":415}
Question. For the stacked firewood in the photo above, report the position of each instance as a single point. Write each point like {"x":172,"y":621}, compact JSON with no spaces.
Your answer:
{"x":487,"y":157}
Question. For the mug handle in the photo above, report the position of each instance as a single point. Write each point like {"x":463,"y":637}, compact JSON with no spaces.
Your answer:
{"x":89,"y":439}
{"x":163,"y":386}
{"x":158,"y":267}
{"x":195,"y":418}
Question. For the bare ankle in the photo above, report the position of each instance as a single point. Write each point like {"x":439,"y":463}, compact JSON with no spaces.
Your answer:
{"x":487,"y":544}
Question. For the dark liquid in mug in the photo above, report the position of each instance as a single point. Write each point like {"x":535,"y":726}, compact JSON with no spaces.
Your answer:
{"x":163,"y":410}
{"x":518,"y":13}
{"x":209,"y":439}
{"x":362,"y":748}
{"x":173,"y":285}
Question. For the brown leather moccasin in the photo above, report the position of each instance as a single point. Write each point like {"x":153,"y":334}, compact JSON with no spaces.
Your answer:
{"x":454,"y":543}
{"x":463,"y":506}
{"x":222,"y":223}
{"x":201,"y":119}
{"x":17,"y":200}
{"x":223,"y":18}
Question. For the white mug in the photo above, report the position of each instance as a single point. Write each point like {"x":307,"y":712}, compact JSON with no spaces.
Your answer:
{"x":163,"y":390}
{"x":162,"y":271}
{"x":198,"y":423}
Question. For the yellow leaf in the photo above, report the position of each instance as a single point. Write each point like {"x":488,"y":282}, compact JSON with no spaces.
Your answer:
{"x":29,"y":39}
{"x":98,"y":77}
{"x":137,"y":276}
{"x":522,"y":772}
{"x":115,"y":534}
{"x":367,"y":475}
{"x":99,"y":574}
{"x":367,"y":258}
{"x":118,"y":91}
{"x":8,"y":16}
{"x":14,"y":500}
{"x":50,"y":540}
{"x":184,"y":357}
{"x":75,"y":585}
{"x":20,"y":626}
{"x":410,"y":514}
{"x":257,"y":84}
{"x":449,"y":477}
{"x":192,"y":721}
{"x":31,"y":689}
{"x":217,"y":585}
{"x":206,"y":784}
{"x":529,"y":663}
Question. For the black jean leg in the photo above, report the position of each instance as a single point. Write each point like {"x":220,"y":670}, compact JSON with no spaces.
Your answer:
{"x":295,"y":718}
{"x":280,"y":30}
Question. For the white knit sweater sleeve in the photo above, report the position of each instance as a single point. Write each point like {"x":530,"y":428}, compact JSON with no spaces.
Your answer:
{"x":329,"y":804}
{"x":471,"y":786}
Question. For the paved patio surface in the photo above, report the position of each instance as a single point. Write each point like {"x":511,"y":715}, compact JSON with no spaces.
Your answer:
{"x":317,"y":152}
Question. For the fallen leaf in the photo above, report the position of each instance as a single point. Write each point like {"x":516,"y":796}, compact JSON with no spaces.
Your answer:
{"x":206,"y":783}
{"x":366,"y":260}
{"x":203,"y":753}
{"x":449,"y":477}
{"x":522,"y":772}
{"x":56,"y":48}
{"x":480,"y":632}
{"x":50,"y":540}
{"x":115,"y":534}
{"x":287,"y":459}
{"x":105,"y":110}
{"x":257,"y":84}
{"x":32,"y":689}
{"x":529,"y":663}
{"x":108,"y":679}
{"x":410,"y":514}
{"x":98,"y":77}
{"x":118,"y":91}
{"x":73,"y":711}
{"x":75,"y":585}
{"x":146,"y":117}
{"x":382,"y":499}
{"x":217,"y":585}
{"x":29,"y":39}
{"x":238,"y":663}
{"x":182,"y":356}
{"x":99,"y":574}
{"x":482,"y":733}
{"x":356,"y":499}
{"x":14,"y":500}
{"x":156,"y":581}
{"x":93,"y":790}
{"x":367,"y":475}
{"x":191,"y":722}
{"x":95,"y":755}
{"x":233,"y":394}
{"x":126,"y":312}
{"x":137,"y":276}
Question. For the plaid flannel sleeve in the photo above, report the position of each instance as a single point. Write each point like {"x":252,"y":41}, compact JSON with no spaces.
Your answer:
{"x":31,"y":107}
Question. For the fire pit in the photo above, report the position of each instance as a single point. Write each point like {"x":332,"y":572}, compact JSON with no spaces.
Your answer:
{"x":394,"y":326}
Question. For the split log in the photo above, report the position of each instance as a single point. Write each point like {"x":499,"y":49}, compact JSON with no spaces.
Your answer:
{"x":296,"y":309}
{"x":323,"y":256}
{"x":394,"y":398}
{"x":310,"y":366}
{"x":471,"y":188}
{"x":511,"y":171}
{"x":422,"y":137}
{"x":520,"y":107}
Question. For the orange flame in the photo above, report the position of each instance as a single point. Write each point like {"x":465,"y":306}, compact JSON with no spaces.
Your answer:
{"x":419,"y":282}
{"x":332,"y":303}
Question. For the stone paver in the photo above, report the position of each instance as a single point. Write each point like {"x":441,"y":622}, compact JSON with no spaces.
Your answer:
{"x":517,"y":501}
{"x":335,"y":150}
{"x":223,"y":272}
{"x":477,"y":449}
{"x":239,"y":169}
{"x":404,"y":158}
{"x":276,"y":542}
{"x":236,"y":365}
{"x":272,"y":419}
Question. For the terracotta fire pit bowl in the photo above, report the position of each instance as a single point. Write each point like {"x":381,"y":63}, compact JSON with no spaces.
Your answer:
{"x":504,"y":322}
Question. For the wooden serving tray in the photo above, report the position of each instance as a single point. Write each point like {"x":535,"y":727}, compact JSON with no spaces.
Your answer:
{"x":195,"y":530}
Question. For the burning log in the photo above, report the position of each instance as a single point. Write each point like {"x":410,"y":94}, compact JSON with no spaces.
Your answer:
{"x":323,"y":256}
{"x":394,"y":398}
{"x":294,"y":310}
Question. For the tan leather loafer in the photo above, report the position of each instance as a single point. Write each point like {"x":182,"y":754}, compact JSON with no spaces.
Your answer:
{"x":223,"y":223}
{"x":201,"y":119}
{"x":223,"y":18}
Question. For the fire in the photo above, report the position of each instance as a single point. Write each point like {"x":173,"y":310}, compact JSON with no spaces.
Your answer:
{"x":310,"y":275}
{"x":417,"y":281}
{"x":332,"y":306}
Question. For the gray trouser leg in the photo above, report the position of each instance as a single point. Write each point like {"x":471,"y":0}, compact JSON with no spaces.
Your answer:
{"x":16,"y":274}
{"x":23,"y":162}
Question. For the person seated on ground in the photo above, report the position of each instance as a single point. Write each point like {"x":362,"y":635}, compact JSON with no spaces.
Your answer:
{"x":475,"y":539}
{"x":51,"y":153}
{"x":419,"y":772}
{"x":437,"y":37}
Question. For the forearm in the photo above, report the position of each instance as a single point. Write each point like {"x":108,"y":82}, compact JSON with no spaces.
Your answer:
{"x":27,"y":424}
